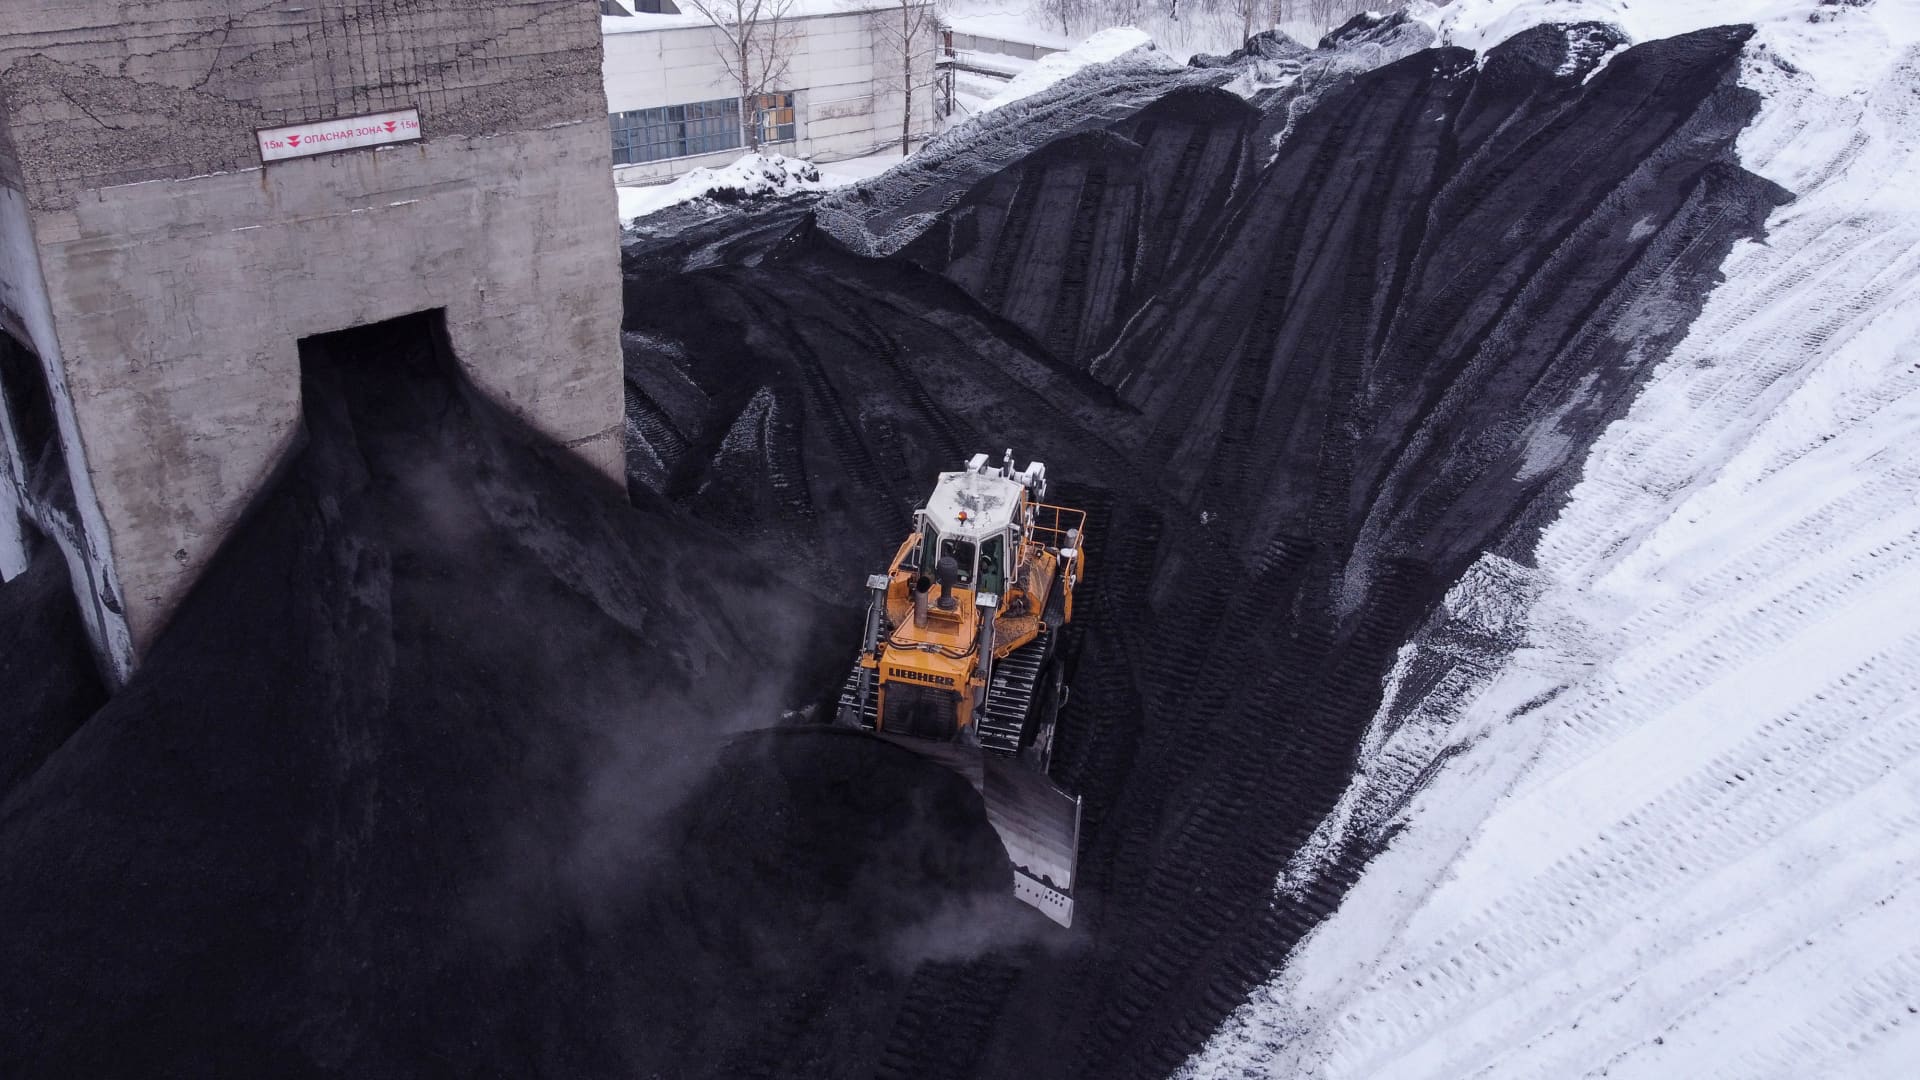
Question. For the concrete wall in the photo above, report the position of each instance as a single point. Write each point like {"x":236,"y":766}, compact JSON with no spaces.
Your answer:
{"x":847,"y":101}
{"x":179,"y":274}
{"x":13,"y":545}
{"x":70,"y":512}
{"x":963,"y":42}
{"x":19,"y":268}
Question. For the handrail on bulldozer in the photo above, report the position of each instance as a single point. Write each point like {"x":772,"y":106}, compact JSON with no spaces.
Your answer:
{"x":1052,"y":523}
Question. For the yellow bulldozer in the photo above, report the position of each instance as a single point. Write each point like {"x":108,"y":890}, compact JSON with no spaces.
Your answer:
{"x":961,"y":660}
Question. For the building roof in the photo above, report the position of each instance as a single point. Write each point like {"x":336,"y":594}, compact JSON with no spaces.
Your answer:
{"x":640,"y":22}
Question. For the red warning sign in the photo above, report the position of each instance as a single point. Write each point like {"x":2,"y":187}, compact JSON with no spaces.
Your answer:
{"x":351,"y":133}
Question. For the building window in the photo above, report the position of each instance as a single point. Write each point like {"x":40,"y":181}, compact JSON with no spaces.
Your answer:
{"x":702,"y":127}
{"x":774,"y":114}
{"x":675,"y":131}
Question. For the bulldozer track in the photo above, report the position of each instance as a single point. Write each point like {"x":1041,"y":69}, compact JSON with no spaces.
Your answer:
{"x":936,"y":1032}
{"x":1144,"y":273}
{"x":1063,"y":328}
{"x":1009,"y":705}
{"x":844,"y":439}
{"x":953,"y":438}
{"x":1009,"y":242}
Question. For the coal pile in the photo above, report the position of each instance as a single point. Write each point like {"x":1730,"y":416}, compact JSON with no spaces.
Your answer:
{"x":456,"y":759}
{"x":446,"y":764}
{"x":1299,"y":387}
{"x":47,"y":679}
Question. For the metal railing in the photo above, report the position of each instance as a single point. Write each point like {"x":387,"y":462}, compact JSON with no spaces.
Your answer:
{"x":1049,"y":525}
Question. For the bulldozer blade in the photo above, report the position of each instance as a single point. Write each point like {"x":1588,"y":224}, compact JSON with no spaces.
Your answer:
{"x":1039,"y":824}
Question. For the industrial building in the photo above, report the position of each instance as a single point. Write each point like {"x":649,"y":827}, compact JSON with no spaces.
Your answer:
{"x":674,"y":105}
{"x":188,"y":190}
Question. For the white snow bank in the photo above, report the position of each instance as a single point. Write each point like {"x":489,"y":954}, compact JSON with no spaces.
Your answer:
{"x":1008,"y":24}
{"x":639,"y":22}
{"x":752,"y":175}
{"x":1843,"y":47}
{"x":853,"y":170}
{"x":1683,"y":836}
{"x":1109,"y":44}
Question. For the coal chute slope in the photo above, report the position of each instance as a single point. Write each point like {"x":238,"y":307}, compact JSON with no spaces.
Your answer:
{"x":47,"y":677}
{"x":434,"y":764}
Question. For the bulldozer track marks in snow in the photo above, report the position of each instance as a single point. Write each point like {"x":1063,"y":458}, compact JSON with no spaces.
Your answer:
{"x":1727,"y":757}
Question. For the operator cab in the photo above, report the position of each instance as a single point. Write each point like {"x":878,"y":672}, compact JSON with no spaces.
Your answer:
{"x":974,"y":517}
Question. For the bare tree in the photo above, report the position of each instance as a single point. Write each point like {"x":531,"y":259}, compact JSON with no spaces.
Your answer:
{"x":756,"y":48}
{"x":1064,"y":10}
{"x":1328,"y":13}
{"x":905,"y":35}
{"x":1248,"y":10}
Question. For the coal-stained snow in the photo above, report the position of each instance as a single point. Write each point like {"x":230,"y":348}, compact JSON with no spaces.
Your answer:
{"x":1659,"y":789}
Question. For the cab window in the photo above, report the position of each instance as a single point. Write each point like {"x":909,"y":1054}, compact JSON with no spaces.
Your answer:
{"x":993,"y":564}
{"x":962,"y":553}
{"x":921,"y":558}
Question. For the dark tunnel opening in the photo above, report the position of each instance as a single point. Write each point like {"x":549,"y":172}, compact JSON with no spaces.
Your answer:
{"x":29,"y":402}
{"x":411,"y":346}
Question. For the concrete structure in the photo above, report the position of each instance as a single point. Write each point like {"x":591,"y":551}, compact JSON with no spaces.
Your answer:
{"x":987,"y":49}
{"x":845,"y":81}
{"x":156,"y":276}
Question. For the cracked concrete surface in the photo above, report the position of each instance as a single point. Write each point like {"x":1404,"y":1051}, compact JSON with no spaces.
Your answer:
{"x":180,"y":273}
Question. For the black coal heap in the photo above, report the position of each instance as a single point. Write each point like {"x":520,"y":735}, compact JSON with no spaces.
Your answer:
{"x":1300,"y":388}
{"x":48,"y":684}
{"x":432,"y":770}
{"x":438,"y":769}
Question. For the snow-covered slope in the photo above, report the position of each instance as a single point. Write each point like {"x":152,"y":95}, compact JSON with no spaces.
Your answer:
{"x":1654,"y":803}
{"x":750,"y":176}
{"x":1049,"y":69}
{"x":1840,"y":42}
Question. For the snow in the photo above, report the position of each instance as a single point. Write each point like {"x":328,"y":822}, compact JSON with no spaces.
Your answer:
{"x":1679,"y":837}
{"x":896,"y":207}
{"x":1108,"y":44}
{"x":1008,"y":23}
{"x":1195,"y":30}
{"x":752,"y":175}
{"x":1823,"y":39}
{"x":642,"y":21}
{"x":853,"y":170}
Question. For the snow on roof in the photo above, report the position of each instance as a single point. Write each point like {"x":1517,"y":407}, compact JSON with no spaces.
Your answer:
{"x":640,"y":22}
{"x":973,"y":504}
{"x":750,"y":176}
{"x":1109,"y":44}
{"x":1008,"y":25}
